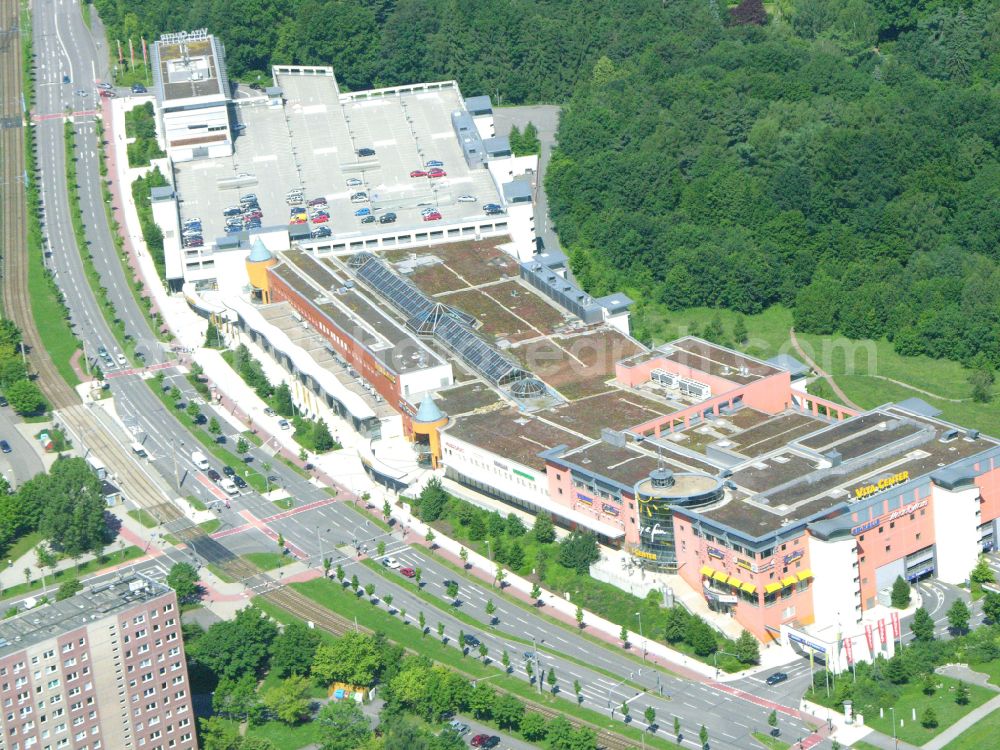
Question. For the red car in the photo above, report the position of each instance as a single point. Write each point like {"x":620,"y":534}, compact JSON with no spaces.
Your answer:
{"x":436,"y":172}
{"x":418,"y":173}
{"x":321,"y":218}
{"x":408,"y":572}
{"x":432,"y":217}
{"x":485,"y":741}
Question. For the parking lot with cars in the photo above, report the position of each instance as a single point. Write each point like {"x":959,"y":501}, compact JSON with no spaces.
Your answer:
{"x":337,"y":168}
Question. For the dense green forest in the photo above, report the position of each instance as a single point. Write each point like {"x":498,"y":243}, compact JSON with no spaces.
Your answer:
{"x":841,"y":159}
{"x":836,"y":160}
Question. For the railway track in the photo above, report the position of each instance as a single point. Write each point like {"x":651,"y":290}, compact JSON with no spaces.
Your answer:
{"x":325,"y":619}
{"x":16,"y":295}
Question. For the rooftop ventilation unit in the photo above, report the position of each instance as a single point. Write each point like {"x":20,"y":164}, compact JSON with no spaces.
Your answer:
{"x":664,"y":378}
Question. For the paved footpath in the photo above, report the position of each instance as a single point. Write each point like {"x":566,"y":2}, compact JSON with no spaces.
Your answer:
{"x":971,"y":718}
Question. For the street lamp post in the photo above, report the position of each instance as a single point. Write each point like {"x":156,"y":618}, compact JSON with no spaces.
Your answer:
{"x":639,"y":615}
{"x":715,"y":658}
{"x":895,"y":742}
{"x":538,"y":664}
{"x":489,"y":550}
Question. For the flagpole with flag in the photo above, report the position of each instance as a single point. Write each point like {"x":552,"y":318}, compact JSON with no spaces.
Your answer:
{"x":145,"y":60}
{"x":121,"y":59}
{"x":131,"y":52}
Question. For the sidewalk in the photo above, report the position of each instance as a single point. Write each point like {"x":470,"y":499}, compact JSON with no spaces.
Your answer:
{"x":131,"y":533}
{"x":970,"y":719}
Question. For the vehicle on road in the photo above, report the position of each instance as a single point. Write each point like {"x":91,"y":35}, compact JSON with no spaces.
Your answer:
{"x":321,"y":232}
{"x":3,"y":401}
{"x":65,"y":78}
{"x":105,"y":86}
{"x":390,"y":562}
{"x":81,"y":92}
{"x":368,"y":219}
{"x":363,"y":211}
{"x":229,"y":487}
{"x":213,"y":475}
{"x":418,"y":173}
{"x":471,"y":640}
{"x":776,"y":678}
{"x":432,"y":217}
{"x":317,"y":202}
{"x":353,"y":182}
{"x":485,"y":741}
{"x":388,"y":218}
{"x":5,"y":446}
{"x":407,"y":572}
{"x":239,"y":481}
{"x":283,"y":424}
{"x":138,"y":88}
{"x":200,"y":460}
{"x":432,"y":174}
{"x":358,"y":197}
{"x":321,"y":218}
{"x":434,"y":163}
{"x":458,"y":726}
{"x":466,"y":199}
{"x":270,"y":412}
{"x":492,"y":207}
{"x":528,"y":656}
{"x":108,"y":94}
{"x":366,"y":152}
{"x":120,"y":358}
{"x":228,"y":471}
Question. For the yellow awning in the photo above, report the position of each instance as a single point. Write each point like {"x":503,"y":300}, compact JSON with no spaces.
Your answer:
{"x":718,"y":575}
{"x":804,"y":574}
{"x":789,"y":581}
{"x":706,"y":571}
{"x":749,"y":588}
{"x":771,"y":588}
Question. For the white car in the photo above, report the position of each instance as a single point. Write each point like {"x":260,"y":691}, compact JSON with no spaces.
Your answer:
{"x":353,"y":182}
{"x":428,"y":211}
{"x":121,"y":359}
{"x":466,"y":199}
{"x":391,"y":562}
{"x":283,"y":424}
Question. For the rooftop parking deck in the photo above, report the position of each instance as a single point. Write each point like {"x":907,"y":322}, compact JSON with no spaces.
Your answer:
{"x":310,"y":144}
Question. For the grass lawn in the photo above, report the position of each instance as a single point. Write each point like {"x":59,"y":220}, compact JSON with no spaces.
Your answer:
{"x":992,"y":668}
{"x":285,"y":503}
{"x":860,"y":367}
{"x":268,"y":560}
{"x":979,"y":736}
{"x":220,"y":573}
{"x":770,"y":742}
{"x":210,"y":527}
{"x":196,"y":503}
{"x":81,"y":571}
{"x":912,"y":697}
{"x":144,"y":517}
{"x":25,"y":544}
{"x":284,"y":736}
{"x":330,"y":595}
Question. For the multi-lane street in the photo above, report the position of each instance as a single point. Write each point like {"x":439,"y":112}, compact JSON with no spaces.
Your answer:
{"x":319,"y":525}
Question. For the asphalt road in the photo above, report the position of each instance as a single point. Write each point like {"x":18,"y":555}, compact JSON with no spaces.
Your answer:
{"x":546,"y":119}
{"x":63,"y":44}
{"x":22,"y":462}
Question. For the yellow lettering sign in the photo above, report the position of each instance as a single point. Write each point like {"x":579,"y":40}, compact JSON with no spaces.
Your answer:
{"x":882,"y":484}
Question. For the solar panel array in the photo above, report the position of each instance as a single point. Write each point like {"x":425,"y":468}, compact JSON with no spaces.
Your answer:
{"x":424,"y":316}
{"x":476,"y":353}
{"x":399,"y":292}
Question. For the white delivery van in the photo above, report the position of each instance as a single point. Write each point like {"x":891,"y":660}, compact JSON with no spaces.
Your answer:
{"x":138,"y":450}
{"x":200,"y":460}
{"x":229,"y":486}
